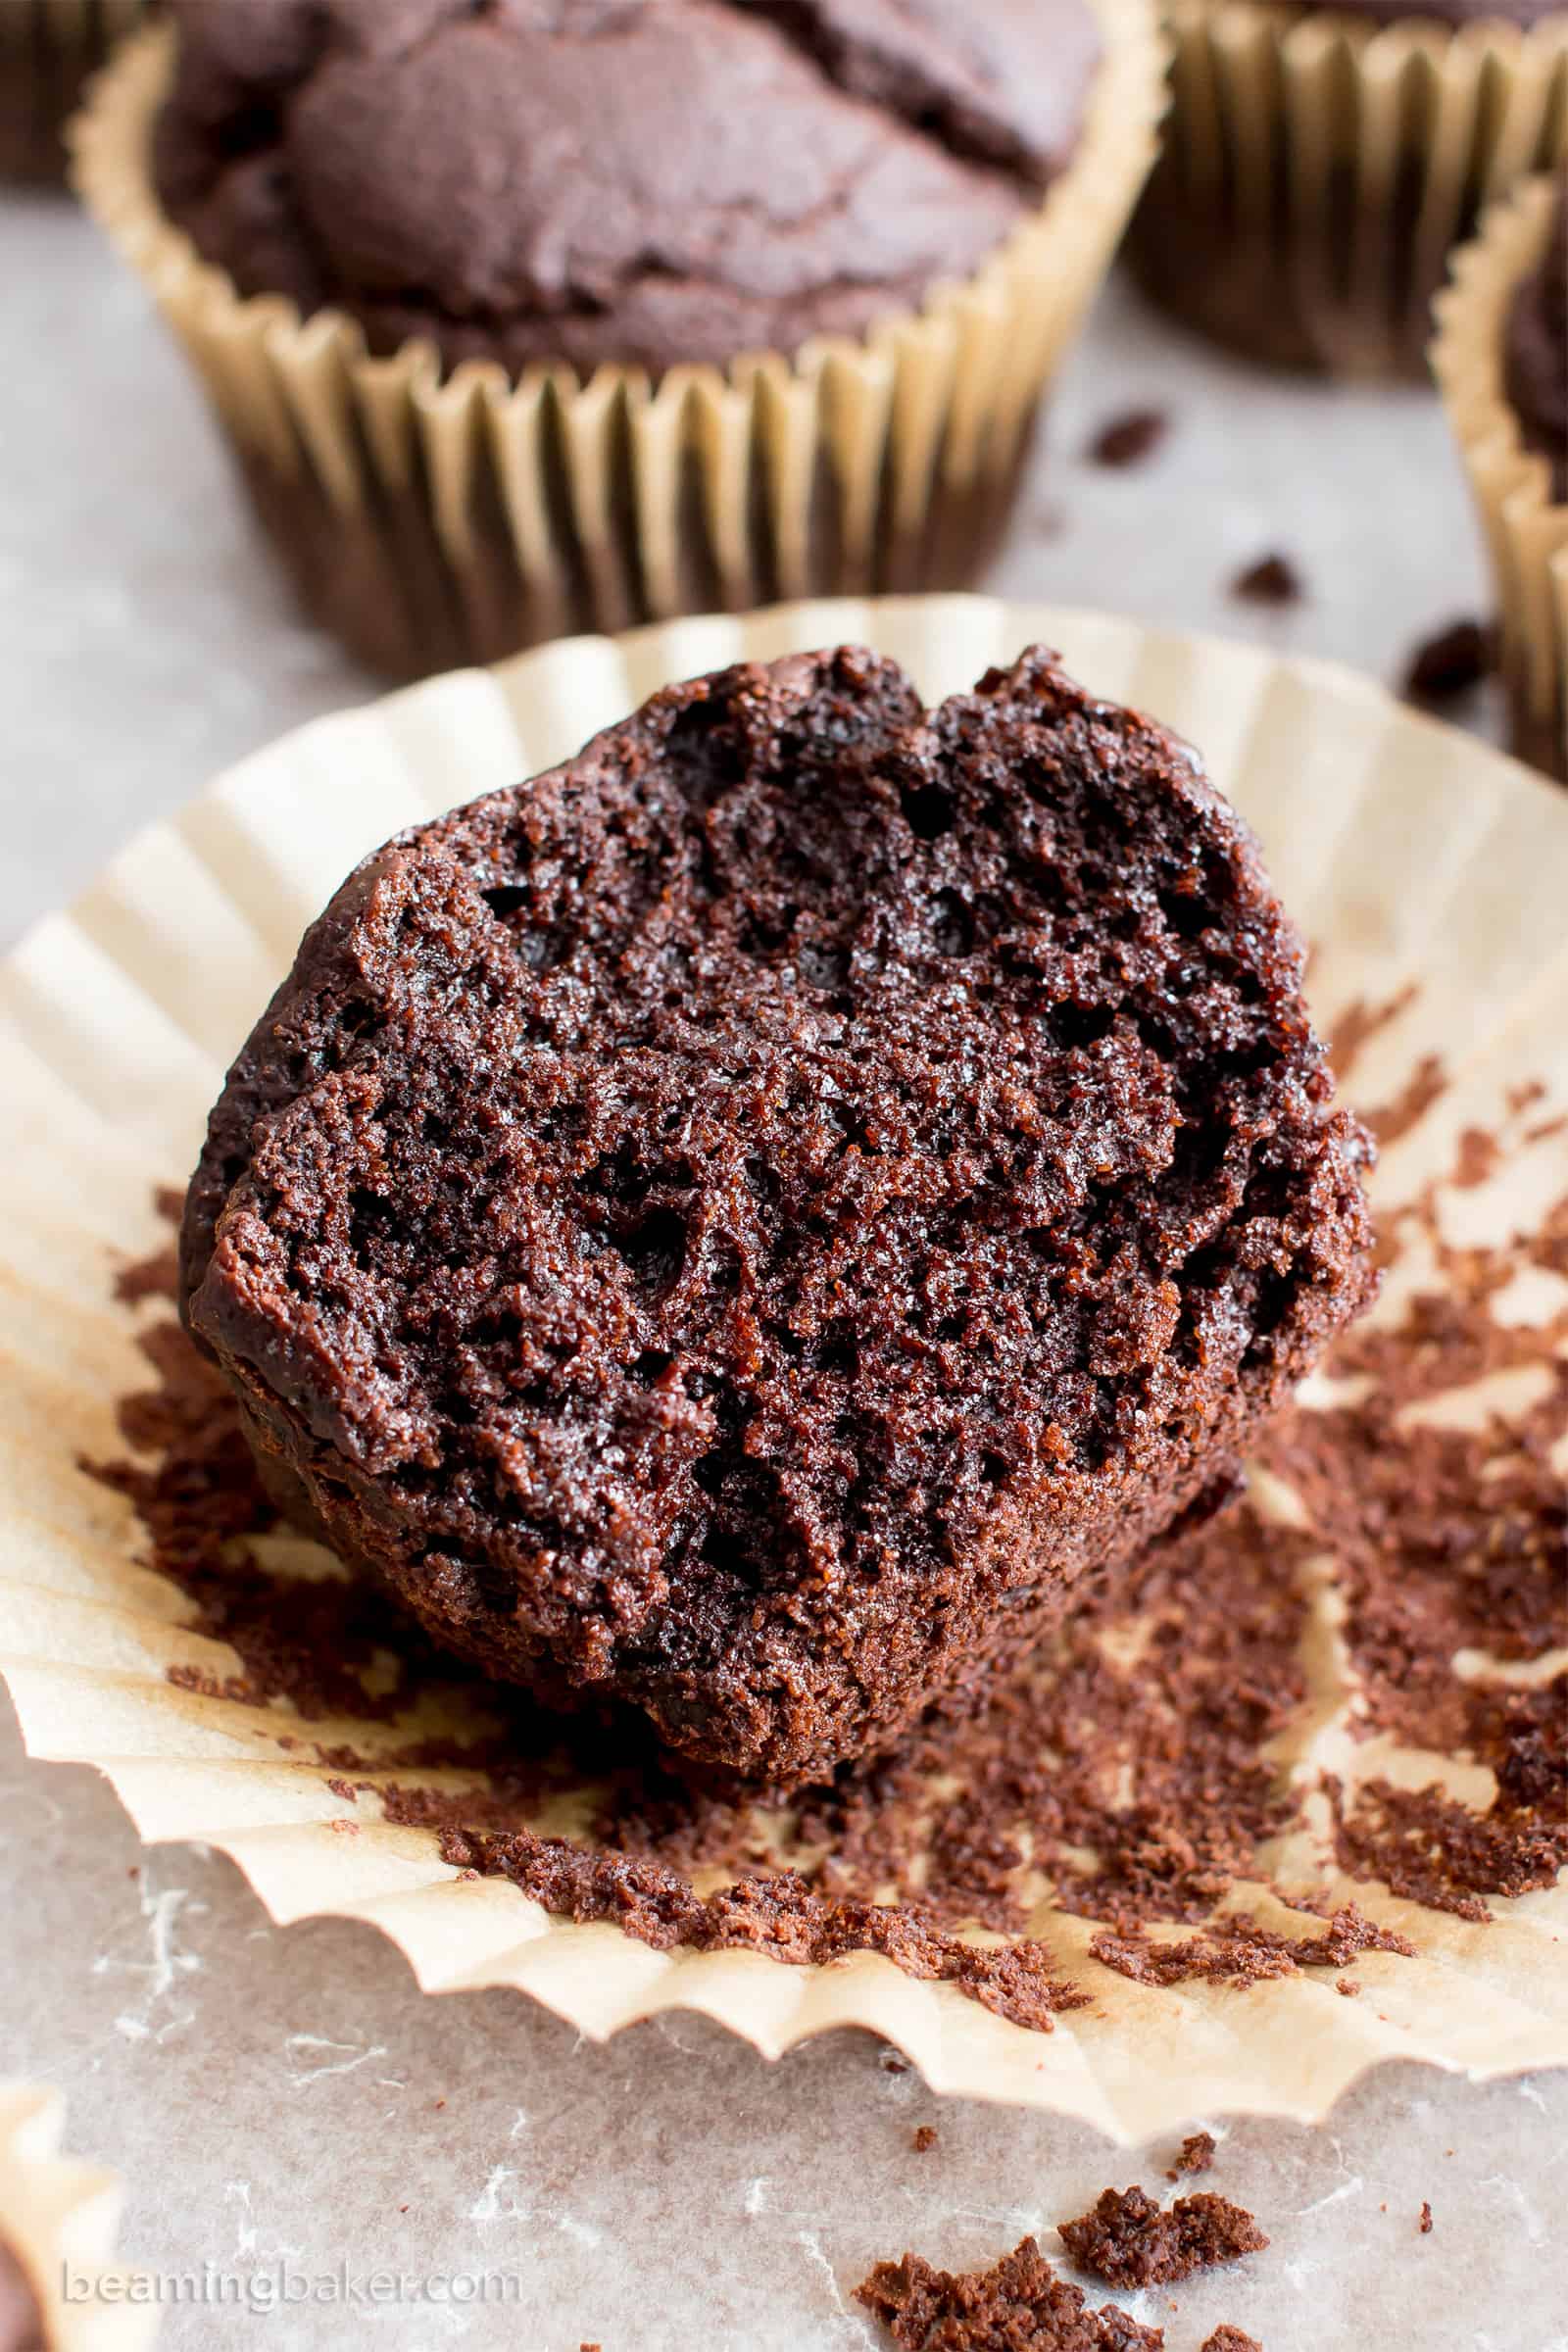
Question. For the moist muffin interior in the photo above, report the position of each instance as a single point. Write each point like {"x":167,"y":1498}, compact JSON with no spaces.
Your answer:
{"x":608,"y":180}
{"x":745,"y":1221}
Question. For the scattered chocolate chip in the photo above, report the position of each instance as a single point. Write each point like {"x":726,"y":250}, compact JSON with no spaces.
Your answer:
{"x":1128,"y":439}
{"x":1451,"y":662}
{"x":1271,"y":580}
{"x":1127,"y":2240}
{"x":1426,"y":2220}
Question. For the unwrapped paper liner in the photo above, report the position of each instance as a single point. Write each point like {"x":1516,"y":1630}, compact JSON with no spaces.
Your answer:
{"x":60,"y":2217}
{"x":1408,"y":852}
{"x":431,"y":519}
{"x":1316,"y":170}
{"x":47,"y":50}
{"x":1526,"y":528}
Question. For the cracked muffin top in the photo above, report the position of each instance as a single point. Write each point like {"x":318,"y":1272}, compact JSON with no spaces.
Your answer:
{"x":741,"y":1224}
{"x":635,"y":181}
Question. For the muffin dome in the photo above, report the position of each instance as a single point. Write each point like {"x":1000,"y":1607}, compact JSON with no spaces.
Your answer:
{"x":636,"y":181}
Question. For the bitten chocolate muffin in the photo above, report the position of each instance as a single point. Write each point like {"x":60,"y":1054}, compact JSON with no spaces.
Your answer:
{"x":743,"y":1223}
{"x":613,"y":179}
{"x":1536,"y":359}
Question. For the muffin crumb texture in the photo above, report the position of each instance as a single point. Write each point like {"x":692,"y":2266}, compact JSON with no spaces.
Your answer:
{"x":743,"y":1223}
{"x":1130,"y":2241}
{"x":1020,"y":2301}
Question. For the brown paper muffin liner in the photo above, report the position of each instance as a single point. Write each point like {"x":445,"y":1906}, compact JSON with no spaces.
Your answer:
{"x":1526,"y":527}
{"x":431,"y":520}
{"x":1316,"y":170}
{"x":59,"y":2219}
{"x":1427,"y":869}
{"x":47,"y":50}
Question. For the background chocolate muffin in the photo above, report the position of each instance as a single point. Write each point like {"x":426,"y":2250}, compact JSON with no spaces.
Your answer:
{"x":743,"y":1223}
{"x":1535,"y":369}
{"x":1501,"y":357}
{"x":1321,"y":160}
{"x":531,"y":318}
{"x":616,"y":179}
{"x":47,"y":50}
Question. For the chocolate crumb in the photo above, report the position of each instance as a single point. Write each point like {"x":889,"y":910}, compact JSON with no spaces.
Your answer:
{"x":892,"y":2062}
{"x":1450,"y":662}
{"x":1019,"y":2302}
{"x":1128,"y":439}
{"x":1231,"y":2339}
{"x":1426,"y":2220}
{"x":1195,"y":2156}
{"x":1130,"y":2242}
{"x":925,"y":2139}
{"x":1271,"y":580}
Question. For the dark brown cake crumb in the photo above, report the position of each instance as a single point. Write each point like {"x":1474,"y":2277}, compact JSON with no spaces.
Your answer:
{"x":924,"y":2139}
{"x":1426,"y":2218}
{"x":1449,"y":663}
{"x":1129,"y":438}
{"x":1018,"y":2305}
{"x":1231,"y":2339}
{"x":1130,"y":2242}
{"x":1197,"y":2154}
{"x":1271,"y":580}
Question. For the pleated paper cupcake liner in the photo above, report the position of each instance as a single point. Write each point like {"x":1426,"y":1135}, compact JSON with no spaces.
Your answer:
{"x":1525,"y":526}
{"x":431,"y":518}
{"x":58,"y":2220}
{"x":1429,"y":873}
{"x":1317,"y":172}
{"x":47,"y":50}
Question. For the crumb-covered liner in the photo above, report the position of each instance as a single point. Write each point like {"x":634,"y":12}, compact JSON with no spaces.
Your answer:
{"x":58,"y":2215}
{"x":433,"y":519}
{"x":1408,"y":853}
{"x":47,"y":50}
{"x":1315,"y":172}
{"x":1526,"y":528}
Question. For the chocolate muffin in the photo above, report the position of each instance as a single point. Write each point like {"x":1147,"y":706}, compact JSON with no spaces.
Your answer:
{"x":1322,"y":159}
{"x":1536,"y":367}
{"x":744,"y":1223}
{"x":614,"y":180}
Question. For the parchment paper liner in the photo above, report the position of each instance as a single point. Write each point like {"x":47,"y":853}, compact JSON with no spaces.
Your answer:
{"x":1316,"y":170}
{"x":47,"y":50}
{"x":53,"y":2209}
{"x":430,"y":521}
{"x":1526,"y":528}
{"x":1408,"y":852}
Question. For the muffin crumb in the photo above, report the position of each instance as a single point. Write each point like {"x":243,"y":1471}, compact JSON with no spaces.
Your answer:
{"x":1127,"y":2240}
{"x":924,"y":2139}
{"x":1020,"y":2301}
{"x":1271,"y":580}
{"x":1450,"y":662}
{"x":1128,"y":439}
{"x":1195,"y":2155}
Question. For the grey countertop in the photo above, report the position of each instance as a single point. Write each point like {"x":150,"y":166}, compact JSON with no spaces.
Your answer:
{"x":287,"y":2096}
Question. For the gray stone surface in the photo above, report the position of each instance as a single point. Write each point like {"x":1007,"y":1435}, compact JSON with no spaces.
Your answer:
{"x":287,"y":2095}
